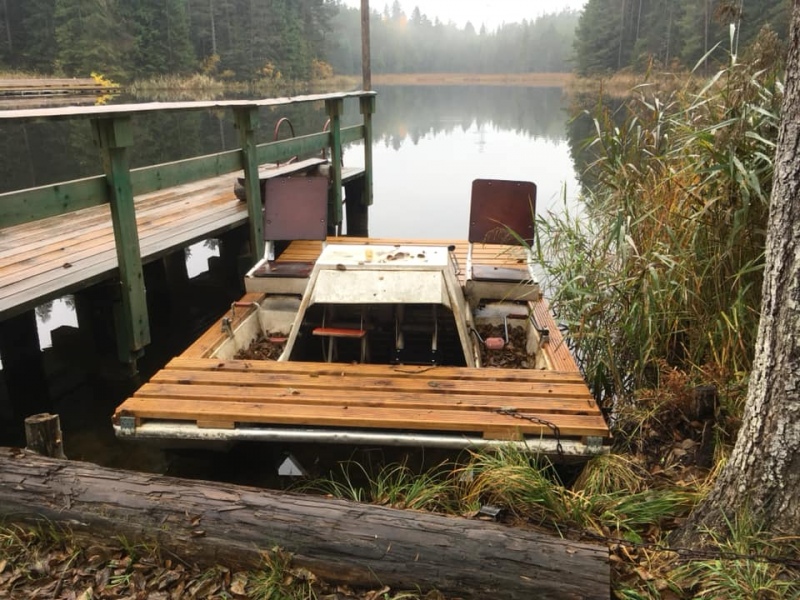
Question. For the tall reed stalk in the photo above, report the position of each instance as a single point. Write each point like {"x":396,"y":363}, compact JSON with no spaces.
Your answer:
{"x":665,"y":263}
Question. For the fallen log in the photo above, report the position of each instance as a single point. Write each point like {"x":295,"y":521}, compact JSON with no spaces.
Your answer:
{"x":362,"y":545}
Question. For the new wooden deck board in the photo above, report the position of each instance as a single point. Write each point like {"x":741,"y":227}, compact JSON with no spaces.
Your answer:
{"x":306,"y":395}
{"x":193,"y":362}
{"x":572,"y":393}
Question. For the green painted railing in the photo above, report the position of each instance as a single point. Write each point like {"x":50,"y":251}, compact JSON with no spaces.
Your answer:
{"x":112,"y":131}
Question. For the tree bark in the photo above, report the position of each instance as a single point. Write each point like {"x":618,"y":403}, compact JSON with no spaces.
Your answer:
{"x":362,"y":545}
{"x":762,"y":476}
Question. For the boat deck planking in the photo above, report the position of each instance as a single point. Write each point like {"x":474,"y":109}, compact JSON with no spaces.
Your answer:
{"x":200,"y":391}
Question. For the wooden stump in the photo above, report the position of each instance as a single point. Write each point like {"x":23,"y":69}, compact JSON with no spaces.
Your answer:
{"x":361,"y":545}
{"x":43,"y":435}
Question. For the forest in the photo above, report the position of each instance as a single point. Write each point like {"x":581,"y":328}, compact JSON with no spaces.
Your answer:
{"x":669,"y":34}
{"x":308,"y":39}
{"x":270,"y":39}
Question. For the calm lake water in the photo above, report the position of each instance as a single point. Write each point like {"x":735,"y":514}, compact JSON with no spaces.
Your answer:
{"x":430,"y":144}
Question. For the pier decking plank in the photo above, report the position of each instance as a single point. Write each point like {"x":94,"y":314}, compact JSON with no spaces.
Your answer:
{"x":44,"y":259}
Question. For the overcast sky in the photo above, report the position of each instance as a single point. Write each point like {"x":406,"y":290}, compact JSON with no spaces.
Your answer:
{"x":489,"y":12}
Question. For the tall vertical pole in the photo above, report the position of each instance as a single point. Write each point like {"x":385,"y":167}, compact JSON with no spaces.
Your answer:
{"x":366,"y":67}
{"x":367,"y":110}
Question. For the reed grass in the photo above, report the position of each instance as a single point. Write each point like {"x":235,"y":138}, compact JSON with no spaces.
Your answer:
{"x":665,"y":262}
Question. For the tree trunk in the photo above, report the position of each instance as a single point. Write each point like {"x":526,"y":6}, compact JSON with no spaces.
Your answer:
{"x":8,"y":31}
{"x":762,"y":476}
{"x":362,"y":545}
{"x":213,"y":28}
{"x":621,"y":36}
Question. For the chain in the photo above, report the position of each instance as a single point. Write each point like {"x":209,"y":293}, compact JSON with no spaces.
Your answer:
{"x":512,"y":412}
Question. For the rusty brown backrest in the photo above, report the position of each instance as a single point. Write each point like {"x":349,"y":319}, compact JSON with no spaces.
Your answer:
{"x":499,"y":207}
{"x":296,"y":208}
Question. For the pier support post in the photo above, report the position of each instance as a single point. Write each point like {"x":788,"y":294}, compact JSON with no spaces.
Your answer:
{"x":334,"y":108}
{"x":247,"y":123}
{"x":178,"y":283}
{"x":113,"y":136}
{"x":23,"y":365}
{"x":43,"y":435}
{"x":359,"y":191}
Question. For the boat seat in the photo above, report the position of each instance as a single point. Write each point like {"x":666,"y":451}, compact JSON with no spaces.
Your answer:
{"x":501,"y":220}
{"x":295,"y":208}
{"x":332,"y":334}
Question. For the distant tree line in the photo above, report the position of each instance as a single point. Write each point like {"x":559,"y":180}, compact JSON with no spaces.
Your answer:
{"x":640,"y":34}
{"x":247,"y":39}
{"x":302,"y":39}
{"x":403,"y":43}
{"x":127,"y":39}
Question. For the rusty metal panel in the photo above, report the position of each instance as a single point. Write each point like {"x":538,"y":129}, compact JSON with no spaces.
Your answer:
{"x":296,"y":208}
{"x":498,"y":206}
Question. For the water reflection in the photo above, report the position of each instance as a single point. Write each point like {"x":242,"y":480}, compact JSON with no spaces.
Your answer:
{"x":431,"y":142}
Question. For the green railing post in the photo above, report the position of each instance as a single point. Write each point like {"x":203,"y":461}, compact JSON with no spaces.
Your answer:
{"x":367,"y":110}
{"x":247,"y":123}
{"x":113,"y":136}
{"x":334,"y":107}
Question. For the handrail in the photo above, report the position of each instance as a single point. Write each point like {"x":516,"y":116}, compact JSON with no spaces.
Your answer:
{"x":116,"y":110}
{"x":31,"y":204}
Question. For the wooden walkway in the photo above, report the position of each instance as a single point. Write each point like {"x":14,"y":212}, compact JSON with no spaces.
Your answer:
{"x":46,"y":259}
{"x":49,"y":85}
{"x":203,"y":392}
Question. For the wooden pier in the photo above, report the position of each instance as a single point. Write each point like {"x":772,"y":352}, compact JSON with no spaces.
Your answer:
{"x":65,"y":237}
{"x":52,"y":86}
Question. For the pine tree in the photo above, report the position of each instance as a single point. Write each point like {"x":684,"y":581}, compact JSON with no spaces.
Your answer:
{"x":160,"y":30}
{"x":89,"y":38}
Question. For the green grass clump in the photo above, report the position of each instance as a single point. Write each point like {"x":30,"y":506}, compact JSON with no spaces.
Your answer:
{"x":746,"y":563}
{"x":394,"y":485}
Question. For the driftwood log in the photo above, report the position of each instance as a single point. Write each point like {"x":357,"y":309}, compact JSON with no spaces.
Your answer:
{"x":339,"y":541}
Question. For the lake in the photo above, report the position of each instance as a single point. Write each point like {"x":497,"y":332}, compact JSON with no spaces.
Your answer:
{"x":431,"y":142}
